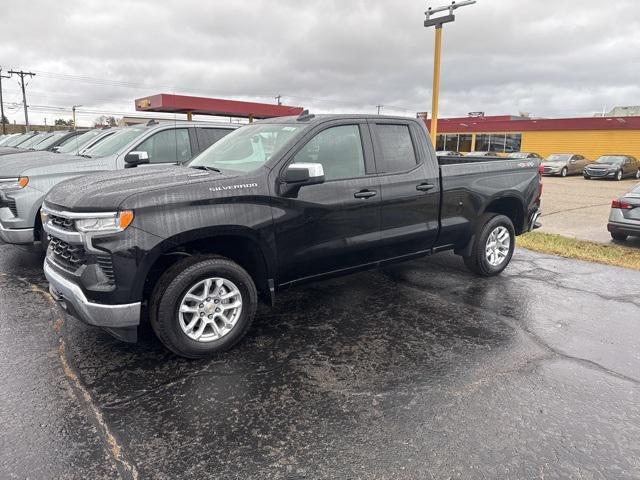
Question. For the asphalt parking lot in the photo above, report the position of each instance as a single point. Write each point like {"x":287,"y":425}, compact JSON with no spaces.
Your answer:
{"x":579,"y":208}
{"x":416,"y":371}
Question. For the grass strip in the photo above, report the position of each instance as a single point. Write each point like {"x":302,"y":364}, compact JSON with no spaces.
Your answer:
{"x":608,"y":254}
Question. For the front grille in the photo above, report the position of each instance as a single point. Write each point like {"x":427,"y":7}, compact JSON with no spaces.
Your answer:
{"x":61,"y":222}
{"x":105,"y":264}
{"x":12,"y":206}
{"x":596,"y":173}
{"x":547,"y":170}
{"x":69,"y":257}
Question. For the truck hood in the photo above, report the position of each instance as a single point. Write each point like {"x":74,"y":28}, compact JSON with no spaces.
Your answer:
{"x":29,"y":162}
{"x":106,"y":191}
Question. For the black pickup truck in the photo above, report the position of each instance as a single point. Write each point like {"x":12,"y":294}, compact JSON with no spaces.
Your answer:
{"x":274,"y":204}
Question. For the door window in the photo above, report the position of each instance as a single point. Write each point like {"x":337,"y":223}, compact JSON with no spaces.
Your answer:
{"x":396,"y":152}
{"x":167,"y":146}
{"x":338,"y":150}
{"x":209,"y":136}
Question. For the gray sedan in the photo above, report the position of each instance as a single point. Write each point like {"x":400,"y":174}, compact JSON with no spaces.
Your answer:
{"x":564,"y":164}
{"x":624,"y":219}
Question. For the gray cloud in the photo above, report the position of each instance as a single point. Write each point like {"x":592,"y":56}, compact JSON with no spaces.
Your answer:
{"x":548,"y":57}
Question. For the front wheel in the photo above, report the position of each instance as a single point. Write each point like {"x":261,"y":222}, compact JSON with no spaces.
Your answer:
{"x":203,"y":306}
{"x":493,"y":245}
{"x":638,"y":174}
{"x":586,"y":177}
{"x":564,"y":172}
{"x":619,"y":175}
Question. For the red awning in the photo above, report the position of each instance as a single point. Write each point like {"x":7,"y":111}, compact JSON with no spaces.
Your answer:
{"x":169,"y":103}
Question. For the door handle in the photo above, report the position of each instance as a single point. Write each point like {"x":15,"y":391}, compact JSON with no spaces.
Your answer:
{"x":425,"y":187}
{"x":365,"y":194}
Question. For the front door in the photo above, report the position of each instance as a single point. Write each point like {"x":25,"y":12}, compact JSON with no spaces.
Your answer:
{"x":336,"y":224}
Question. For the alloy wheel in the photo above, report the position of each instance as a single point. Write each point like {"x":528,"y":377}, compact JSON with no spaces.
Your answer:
{"x":210,"y":309}
{"x":497,"y":246}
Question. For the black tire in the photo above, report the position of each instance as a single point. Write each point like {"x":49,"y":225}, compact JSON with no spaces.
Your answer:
{"x":619,"y":237}
{"x":477,"y":262}
{"x":638,"y":174}
{"x":619,"y":175}
{"x":172,"y":287}
{"x":564,"y":172}
{"x":586,"y":177}
{"x":42,"y":236}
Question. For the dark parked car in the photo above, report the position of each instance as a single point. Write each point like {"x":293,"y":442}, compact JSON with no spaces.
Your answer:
{"x":448,"y":153}
{"x":532,"y":155}
{"x":564,"y":164}
{"x":624,"y":219}
{"x":272,"y":205}
{"x":613,"y":166}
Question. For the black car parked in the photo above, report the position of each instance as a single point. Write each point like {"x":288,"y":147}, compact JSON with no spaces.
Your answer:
{"x":615,"y":167}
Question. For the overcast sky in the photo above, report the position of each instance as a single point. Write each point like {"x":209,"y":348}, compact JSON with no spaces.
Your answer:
{"x":546,"y":57}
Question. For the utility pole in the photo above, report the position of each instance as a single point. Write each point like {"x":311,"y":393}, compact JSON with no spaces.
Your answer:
{"x":379,"y":107}
{"x":279,"y":99}
{"x":73,"y":109}
{"x":22,"y":74}
{"x":438,"y":22}
{"x":4,"y":127}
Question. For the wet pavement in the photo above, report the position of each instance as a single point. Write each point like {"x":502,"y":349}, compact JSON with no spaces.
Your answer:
{"x":416,"y":371}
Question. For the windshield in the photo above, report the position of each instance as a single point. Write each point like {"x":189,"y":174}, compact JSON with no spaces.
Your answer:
{"x":247,"y":148}
{"x":33,"y":140}
{"x":49,"y":140}
{"x":74,"y":144}
{"x":6,"y":139}
{"x":557,"y":157}
{"x":20,"y":138}
{"x":115,"y":142}
{"x":614,"y":159}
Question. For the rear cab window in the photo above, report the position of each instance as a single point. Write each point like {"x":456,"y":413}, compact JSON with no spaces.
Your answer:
{"x":394,"y":148}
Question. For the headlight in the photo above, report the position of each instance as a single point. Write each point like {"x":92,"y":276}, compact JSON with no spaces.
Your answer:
{"x":10,"y":184}
{"x":106,"y":224}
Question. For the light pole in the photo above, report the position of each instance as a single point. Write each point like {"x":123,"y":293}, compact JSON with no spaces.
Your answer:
{"x":438,"y":22}
{"x":73,"y":109}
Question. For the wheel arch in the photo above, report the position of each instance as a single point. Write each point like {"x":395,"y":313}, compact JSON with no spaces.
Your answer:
{"x":240,"y":244}
{"x":512,"y":207}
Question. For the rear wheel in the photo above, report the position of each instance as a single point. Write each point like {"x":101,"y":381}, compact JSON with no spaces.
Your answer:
{"x":564,"y":172}
{"x":203,"y":306}
{"x":493,"y":245}
{"x":618,"y":237}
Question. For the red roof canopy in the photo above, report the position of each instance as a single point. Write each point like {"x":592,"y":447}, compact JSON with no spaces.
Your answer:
{"x":169,"y":103}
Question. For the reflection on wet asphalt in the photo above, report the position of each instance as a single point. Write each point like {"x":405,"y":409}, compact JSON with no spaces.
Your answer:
{"x":416,"y":371}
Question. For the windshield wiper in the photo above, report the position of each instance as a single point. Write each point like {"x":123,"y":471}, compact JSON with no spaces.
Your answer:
{"x":205,"y":167}
{"x":86,"y":156}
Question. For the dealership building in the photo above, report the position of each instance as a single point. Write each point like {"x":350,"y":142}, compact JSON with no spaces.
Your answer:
{"x":589,"y":136}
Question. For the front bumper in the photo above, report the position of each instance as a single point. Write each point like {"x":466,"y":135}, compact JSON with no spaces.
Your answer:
{"x":120,"y":320}
{"x":16,"y":235}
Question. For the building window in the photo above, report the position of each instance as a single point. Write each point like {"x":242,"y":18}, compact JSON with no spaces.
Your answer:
{"x":440,"y":142}
{"x":464,"y":142}
{"x":482,"y":142}
{"x":496,"y":142}
{"x":451,"y":142}
{"x":513,"y":142}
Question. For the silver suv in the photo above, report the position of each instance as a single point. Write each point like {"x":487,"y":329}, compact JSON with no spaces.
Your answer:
{"x":25,"y":180}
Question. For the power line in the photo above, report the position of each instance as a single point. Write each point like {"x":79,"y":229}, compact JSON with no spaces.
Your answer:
{"x":24,"y":95}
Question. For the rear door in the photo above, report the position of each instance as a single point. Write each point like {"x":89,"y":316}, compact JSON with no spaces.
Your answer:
{"x":410,"y":190}
{"x":334,"y":225}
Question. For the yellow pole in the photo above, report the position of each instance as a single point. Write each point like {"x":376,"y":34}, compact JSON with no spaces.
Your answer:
{"x":436,"y":84}
{"x":189,"y":116}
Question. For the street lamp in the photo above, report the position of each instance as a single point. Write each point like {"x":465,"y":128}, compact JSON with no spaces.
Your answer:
{"x":438,"y":22}
{"x":73,"y":109}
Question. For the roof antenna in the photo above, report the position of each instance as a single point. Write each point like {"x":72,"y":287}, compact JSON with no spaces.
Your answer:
{"x":305,"y":116}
